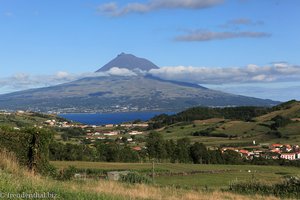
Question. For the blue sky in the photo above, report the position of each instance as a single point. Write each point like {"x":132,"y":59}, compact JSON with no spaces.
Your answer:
{"x":46,"y":38}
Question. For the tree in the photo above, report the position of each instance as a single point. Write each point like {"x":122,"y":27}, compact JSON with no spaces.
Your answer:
{"x":155,"y":145}
{"x":183,"y":150}
{"x":128,"y":155}
{"x":112,"y":153}
{"x":171,"y":150}
{"x":232,"y":157}
{"x":199,"y":153}
{"x":216,"y":157}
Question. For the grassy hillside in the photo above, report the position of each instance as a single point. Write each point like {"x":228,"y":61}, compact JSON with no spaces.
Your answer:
{"x":26,"y":119}
{"x":289,"y":109}
{"x":15,"y":180}
{"x":223,"y":130}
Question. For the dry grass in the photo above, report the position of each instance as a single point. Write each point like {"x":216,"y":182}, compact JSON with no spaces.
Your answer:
{"x":20,"y":180}
{"x":165,"y":193}
{"x":9,"y":163}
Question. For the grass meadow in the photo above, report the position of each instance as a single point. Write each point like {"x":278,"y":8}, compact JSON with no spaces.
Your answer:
{"x":194,"y":175}
{"x":16,"y":180}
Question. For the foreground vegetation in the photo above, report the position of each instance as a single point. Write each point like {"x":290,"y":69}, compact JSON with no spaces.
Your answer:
{"x":14,"y":179}
{"x":290,"y":188}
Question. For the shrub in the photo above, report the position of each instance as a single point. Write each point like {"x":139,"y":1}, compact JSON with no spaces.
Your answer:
{"x":67,"y":174}
{"x":134,"y":178}
{"x":30,"y":145}
{"x":289,"y":188}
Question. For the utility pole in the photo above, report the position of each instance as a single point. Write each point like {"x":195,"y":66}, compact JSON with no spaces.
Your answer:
{"x":153,"y":171}
{"x":84,"y":148}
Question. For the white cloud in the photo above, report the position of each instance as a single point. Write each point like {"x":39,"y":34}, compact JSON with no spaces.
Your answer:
{"x":234,"y":23}
{"x":249,"y":74}
{"x":260,"y":77}
{"x":62,"y":75}
{"x":22,"y":81}
{"x":113,"y":9}
{"x":201,"y":35}
{"x":275,"y":91}
{"x":115,"y":71}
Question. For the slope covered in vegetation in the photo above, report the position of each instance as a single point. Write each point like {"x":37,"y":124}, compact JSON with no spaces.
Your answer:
{"x":239,"y":125}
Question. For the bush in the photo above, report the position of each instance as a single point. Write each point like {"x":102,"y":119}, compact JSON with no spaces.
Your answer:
{"x":134,"y":178}
{"x":290,"y":188}
{"x":30,"y":145}
{"x":67,"y":174}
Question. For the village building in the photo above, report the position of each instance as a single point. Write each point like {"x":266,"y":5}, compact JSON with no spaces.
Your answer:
{"x":135,"y":133}
{"x":111,"y":133}
{"x":109,"y":125}
{"x":288,"y":156}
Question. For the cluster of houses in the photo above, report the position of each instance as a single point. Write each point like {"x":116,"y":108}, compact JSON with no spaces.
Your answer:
{"x":104,"y":134}
{"x":128,"y":125}
{"x":53,"y":122}
{"x":273,"y":151}
{"x":101,"y":135}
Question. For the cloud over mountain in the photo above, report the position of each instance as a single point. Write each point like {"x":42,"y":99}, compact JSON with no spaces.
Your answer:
{"x":113,"y":9}
{"x":251,"y":74}
{"x":277,"y":72}
{"x":22,"y":81}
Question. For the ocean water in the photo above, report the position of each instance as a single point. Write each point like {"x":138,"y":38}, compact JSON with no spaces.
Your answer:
{"x":110,"y":118}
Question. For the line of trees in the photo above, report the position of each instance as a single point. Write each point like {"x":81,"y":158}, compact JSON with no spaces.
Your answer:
{"x":100,"y":151}
{"x":181,"y":151}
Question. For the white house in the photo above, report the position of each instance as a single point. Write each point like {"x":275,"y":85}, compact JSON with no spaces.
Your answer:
{"x":288,"y":156}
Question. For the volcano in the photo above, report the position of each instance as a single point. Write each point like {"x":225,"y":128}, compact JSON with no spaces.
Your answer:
{"x":117,"y":93}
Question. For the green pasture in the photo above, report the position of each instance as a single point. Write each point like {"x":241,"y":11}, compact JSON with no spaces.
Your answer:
{"x":194,"y":175}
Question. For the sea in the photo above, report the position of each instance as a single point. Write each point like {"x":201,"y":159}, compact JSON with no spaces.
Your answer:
{"x":110,"y":118}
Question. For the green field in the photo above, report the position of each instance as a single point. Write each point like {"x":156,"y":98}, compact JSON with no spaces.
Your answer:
{"x":213,"y":176}
{"x":16,"y":180}
{"x":244,"y":132}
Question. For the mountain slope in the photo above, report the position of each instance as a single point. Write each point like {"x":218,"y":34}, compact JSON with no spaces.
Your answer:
{"x":130,"y":62}
{"x":117,"y":93}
